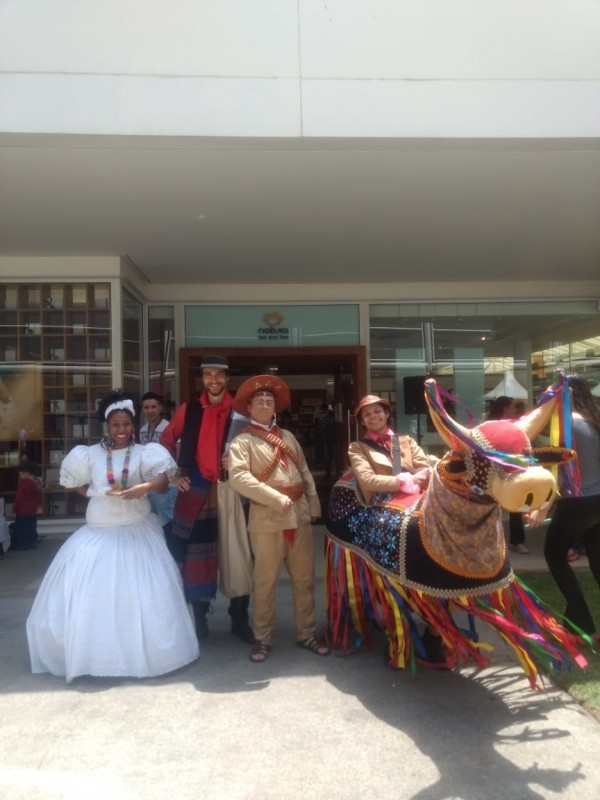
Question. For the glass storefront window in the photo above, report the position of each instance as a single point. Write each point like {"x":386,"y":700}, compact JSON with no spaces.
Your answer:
{"x":474,"y":349}
{"x":161,"y":353}
{"x":132,"y":344}
{"x":55,"y":367}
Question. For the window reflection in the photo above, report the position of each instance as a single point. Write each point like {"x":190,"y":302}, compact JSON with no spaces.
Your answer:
{"x":161,"y":354}
{"x":470,"y":348}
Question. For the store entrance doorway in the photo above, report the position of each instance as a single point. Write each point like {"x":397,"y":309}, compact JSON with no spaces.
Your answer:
{"x":325,"y":386}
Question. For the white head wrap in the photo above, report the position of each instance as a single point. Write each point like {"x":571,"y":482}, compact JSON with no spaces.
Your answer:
{"x":120,"y":405}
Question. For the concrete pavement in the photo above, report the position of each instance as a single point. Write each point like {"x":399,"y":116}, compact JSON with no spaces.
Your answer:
{"x":297,"y":726}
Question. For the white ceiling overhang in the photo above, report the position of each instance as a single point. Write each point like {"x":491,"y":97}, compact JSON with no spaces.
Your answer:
{"x":187,"y":210}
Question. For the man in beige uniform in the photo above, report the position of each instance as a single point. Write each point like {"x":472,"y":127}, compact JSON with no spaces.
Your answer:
{"x":267,"y":465}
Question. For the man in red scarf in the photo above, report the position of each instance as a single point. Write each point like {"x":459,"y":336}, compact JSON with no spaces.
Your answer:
{"x":196,"y":437}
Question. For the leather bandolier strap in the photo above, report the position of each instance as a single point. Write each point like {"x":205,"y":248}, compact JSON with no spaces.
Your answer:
{"x":292,"y":490}
{"x":281,"y":448}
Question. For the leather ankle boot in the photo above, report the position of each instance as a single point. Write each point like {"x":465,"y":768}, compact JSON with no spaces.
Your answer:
{"x":238,"y":611}
{"x":201,"y":609}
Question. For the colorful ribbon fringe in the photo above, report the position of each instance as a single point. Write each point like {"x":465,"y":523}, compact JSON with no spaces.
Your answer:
{"x":360,"y":600}
{"x":561,"y":434}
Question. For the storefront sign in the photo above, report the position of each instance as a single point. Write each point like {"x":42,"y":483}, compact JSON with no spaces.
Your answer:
{"x":275,"y":330}
{"x":281,"y":326}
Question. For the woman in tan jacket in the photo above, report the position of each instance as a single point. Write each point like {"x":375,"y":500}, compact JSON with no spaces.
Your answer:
{"x":382,"y":461}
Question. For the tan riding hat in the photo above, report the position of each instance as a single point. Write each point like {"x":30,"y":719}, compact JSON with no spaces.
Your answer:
{"x":369,"y":400}
{"x":262,"y":383}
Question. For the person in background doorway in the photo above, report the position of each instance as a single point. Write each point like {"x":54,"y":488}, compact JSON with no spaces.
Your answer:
{"x":4,"y":532}
{"x":25,"y":508}
{"x":327,"y":426}
{"x":162,"y":503}
{"x":504,"y":407}
{"x":267,"y":465}
{"x":203,"y":427}
{"x":285,"y":419}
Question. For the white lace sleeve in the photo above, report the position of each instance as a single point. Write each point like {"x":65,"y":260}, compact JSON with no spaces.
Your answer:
{"x":156,"y":460}
{"x":75,"y":469}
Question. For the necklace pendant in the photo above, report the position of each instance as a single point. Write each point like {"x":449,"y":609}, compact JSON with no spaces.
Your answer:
{"x":118,"y":486}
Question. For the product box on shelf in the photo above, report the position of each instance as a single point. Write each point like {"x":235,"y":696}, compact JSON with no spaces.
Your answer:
{"x":80,"y":295}
{"x":11,"y":459}
{"x":34,"y":297}
{"x":10,"y":298}
{"x":102,"y":296}
{"x":55,"y":298}
{"x":56,"y":457}
{"x":57,"y":507}
{"x":52,"y":478}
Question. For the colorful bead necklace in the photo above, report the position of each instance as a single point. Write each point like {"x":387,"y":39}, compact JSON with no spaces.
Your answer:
{"x":122,"y":484}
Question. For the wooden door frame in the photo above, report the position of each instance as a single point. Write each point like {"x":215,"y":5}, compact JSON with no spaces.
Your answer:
{"x":354,"y":358}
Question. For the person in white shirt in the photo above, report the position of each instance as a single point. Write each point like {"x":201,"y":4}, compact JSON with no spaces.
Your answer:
{"x":152,"y":409}
{"x":154,"y":424}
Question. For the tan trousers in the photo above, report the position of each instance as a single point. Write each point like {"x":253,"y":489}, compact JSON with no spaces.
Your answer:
{"x":271,"y":550}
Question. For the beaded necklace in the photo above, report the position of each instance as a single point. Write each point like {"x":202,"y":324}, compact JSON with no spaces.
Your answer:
{"x":122,"y":484}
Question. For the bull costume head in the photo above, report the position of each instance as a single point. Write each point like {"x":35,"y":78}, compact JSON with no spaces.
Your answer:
{"x":496,"y":460}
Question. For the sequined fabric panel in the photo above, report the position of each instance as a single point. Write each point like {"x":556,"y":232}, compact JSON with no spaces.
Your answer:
{"x":375,"y":530}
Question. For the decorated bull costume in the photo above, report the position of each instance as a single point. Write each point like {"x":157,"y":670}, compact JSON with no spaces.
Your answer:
{"x":402,"y":557}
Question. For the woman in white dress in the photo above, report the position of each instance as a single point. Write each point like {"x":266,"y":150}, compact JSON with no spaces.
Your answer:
{"x":112,"y":603}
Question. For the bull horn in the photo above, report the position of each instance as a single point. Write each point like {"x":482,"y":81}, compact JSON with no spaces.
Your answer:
{"x":456,"y":436}
{"x":533,"y":424}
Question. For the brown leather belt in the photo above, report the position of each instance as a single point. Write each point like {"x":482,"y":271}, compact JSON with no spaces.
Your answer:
{"x":292,"y":490}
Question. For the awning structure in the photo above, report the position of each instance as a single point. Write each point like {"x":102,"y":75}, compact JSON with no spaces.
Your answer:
{"x":510,"y":387}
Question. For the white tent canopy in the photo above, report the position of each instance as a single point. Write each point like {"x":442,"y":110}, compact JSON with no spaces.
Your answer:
{"x":510,"y":387}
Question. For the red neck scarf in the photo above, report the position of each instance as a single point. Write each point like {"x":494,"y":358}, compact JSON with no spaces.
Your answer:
{"x":212,"y":431}
{"x":383,"y":439}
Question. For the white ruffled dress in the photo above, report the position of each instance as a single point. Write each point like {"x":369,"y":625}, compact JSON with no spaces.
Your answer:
{"x":112,"y":602}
